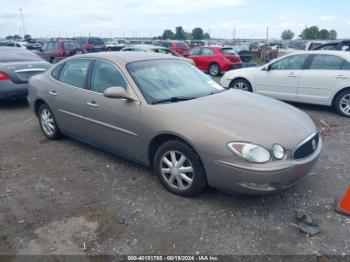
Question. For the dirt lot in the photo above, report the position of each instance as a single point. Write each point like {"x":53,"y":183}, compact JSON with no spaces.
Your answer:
{"x":64,"y":197}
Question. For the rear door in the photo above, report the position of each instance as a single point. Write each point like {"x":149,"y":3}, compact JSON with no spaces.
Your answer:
{"x":325,"y":75}
{"x":68,"y":96}
{"x":113,"y":124}
{"x":282,"y":80}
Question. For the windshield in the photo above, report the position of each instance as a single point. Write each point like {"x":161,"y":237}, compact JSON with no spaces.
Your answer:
{"x":18,"y":56}
{"x":95,"y":41}
{"x":161,"y":80}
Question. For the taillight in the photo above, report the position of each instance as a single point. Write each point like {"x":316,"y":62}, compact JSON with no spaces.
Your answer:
{"x":4,"y":76}
{"x":88,"y":46}
{"x":104,"y":47}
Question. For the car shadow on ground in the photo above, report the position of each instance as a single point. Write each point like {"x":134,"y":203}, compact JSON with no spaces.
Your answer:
{"x":13,"y":104}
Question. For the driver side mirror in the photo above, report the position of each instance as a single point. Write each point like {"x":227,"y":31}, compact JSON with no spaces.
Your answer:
{"x":118,"y":92}
{"x":267,"y":68}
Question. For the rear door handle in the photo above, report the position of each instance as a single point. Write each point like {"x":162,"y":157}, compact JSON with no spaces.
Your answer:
{"x":292,"y":75}
{"x":341,"y":77}
{"x":53,"y":93}
{"x":92,"y":104}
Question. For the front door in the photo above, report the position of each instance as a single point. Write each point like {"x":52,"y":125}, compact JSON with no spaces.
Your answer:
{"x":113,"y":124}
{"x":282,"y":78}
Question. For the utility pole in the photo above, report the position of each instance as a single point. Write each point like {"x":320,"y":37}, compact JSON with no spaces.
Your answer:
{"x":267,"y":35}
{"x":234,"y":32}
{"x":23,"y":28}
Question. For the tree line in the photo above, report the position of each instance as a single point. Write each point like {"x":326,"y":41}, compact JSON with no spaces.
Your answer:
{"x":180,"y":34}
{"x":311,"y":33}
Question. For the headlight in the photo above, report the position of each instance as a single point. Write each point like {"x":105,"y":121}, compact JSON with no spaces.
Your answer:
{"x":250,"y":152}
{"x":278,"y":151}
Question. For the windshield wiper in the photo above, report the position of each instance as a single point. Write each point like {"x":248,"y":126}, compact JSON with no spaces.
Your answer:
{"x":173,"y":99}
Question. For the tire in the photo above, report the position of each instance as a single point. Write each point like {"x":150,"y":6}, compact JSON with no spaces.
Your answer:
{"x":77,"y":52}
{"x":187,"y":180}
{"x":46,"y":118}
{"x":241,"y":84}
{"x":53,"y":60}
{"x":342,"y":103}
{"x":214,"y":69}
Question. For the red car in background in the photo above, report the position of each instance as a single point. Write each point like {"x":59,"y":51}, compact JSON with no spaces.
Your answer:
{"x":214,"y":59}
{"x":57,"y":49}
{"x":177,"y":46}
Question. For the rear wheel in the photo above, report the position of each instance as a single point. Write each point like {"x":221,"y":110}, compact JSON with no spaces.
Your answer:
{"x":180,"y":169}
{"x":342,"y":103}
{"x":214,"y":69}
{"x":48,"y":123}
{"x":241,"y":84}
{"x":53,"y":60}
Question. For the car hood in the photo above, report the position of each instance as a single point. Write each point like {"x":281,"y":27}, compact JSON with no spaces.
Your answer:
{"x":248,"y":117}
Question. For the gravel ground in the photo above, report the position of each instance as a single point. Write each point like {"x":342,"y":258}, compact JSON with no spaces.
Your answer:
{"x":64,"y":197}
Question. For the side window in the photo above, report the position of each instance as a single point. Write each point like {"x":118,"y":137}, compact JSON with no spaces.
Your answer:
{"x":55,"y":73}
{"x":74,"y":72}
{"x":207,"y":51}
{"x":346,"y":65}
{"x":326,"y":62}
{"x":50,"y":46}
{"x":54,"y":46}
{"x":105,"y":75}
{"x":328,"y":47}
{"x":195,"y":51}
{"x":44,"y":47}
{"x":295,"y":62}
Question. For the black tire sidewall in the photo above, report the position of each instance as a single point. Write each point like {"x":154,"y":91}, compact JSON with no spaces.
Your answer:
{"x":199,"y":181}
{"x":242,"y":81}
{"x":337,"y":101}
{"x":57,"y":134}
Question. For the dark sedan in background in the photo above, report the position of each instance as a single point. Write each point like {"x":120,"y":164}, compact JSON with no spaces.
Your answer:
{"x":17,"y":65}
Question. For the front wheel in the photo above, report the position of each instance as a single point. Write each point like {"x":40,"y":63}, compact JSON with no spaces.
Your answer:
{"x":180,"y":169}
{"x":214,"y":69}
{"x":241,"y":84}
{"x":342,"y":103}
{"x":48,"y":123}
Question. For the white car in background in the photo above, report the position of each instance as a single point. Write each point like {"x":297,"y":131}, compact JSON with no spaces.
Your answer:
{"x":314,"y":77}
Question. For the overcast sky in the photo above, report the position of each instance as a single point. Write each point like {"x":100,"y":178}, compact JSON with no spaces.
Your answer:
{"x":48,"y":18}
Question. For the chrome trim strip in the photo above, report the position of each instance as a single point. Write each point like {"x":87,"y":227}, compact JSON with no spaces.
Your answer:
{"x":69,"y":113}
{"x":99,"y":123}
{"x":30,"y":70}
{"x":304,"y":142}
{"x":110,"y":126}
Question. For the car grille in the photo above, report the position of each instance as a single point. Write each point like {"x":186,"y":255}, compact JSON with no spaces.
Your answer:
{"x":307,"y":148}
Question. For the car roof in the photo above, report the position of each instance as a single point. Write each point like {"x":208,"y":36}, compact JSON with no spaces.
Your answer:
{"x":345,"y":54}
{"x":126,"y":56}
{"x":144,"y":46}
{"x":12,"y":49}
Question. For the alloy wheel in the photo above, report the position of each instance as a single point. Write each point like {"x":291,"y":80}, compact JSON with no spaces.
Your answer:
{"x":241,"y":86}
{"x":47,"y":122}
{"x":177,"y":170}
{"x":214,"y":70}
{"x":344,"y":104}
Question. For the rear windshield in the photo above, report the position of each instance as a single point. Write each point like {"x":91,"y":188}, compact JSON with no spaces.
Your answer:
{"x":228,"y":51}
{"x":181,"y":45}
{"x":71,"y":45}
{"x":18,"y":56}
{"x":96,"y":41}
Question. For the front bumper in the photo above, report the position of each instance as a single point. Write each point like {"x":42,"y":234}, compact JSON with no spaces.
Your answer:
{"x":231,"y":177}
{"x":9,"y":90}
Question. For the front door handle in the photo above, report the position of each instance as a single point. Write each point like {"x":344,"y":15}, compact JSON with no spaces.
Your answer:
{"x":92,"y":104}
{"x":341,"y":77}
{"x":53,"y":93}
